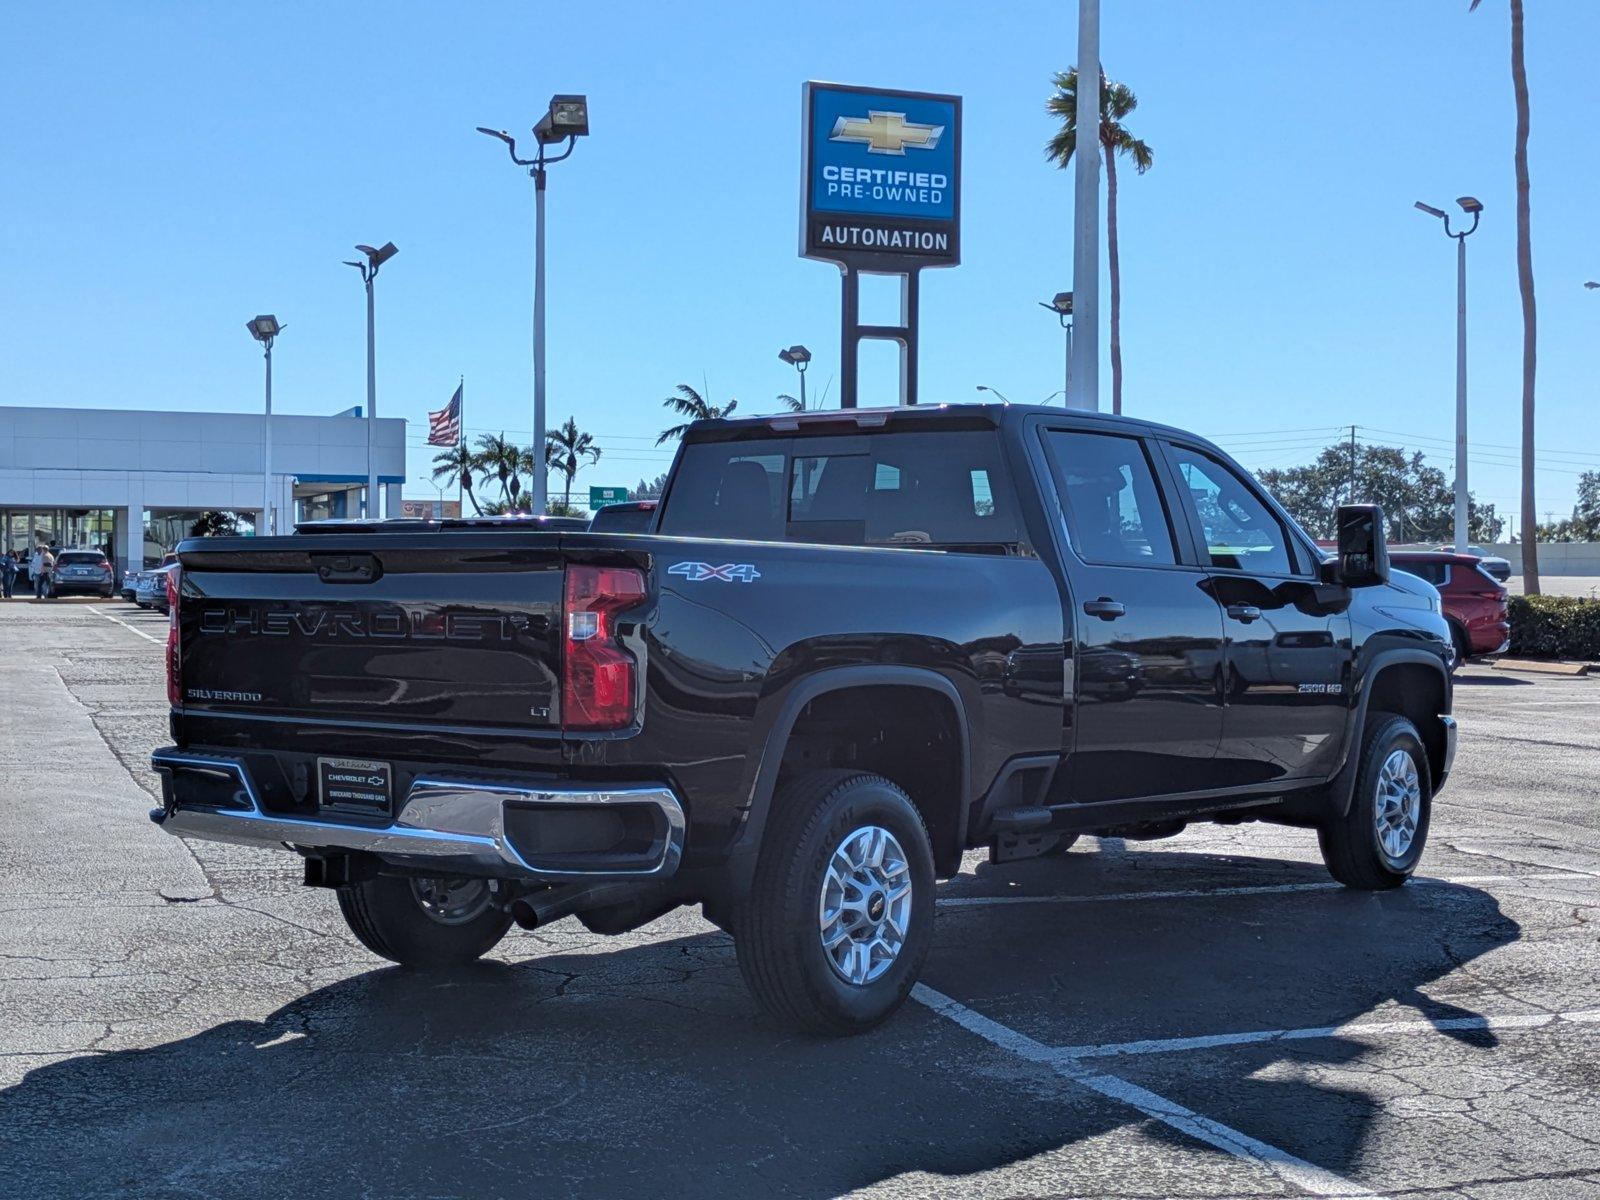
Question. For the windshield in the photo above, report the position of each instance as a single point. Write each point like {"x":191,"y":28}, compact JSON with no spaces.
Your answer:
{"x":938,"y":490}
{"x":80,"y":558}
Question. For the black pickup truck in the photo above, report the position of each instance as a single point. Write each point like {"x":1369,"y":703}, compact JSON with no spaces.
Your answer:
{"x":851,"y":646}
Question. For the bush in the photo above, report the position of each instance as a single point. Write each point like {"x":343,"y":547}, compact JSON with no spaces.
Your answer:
{"x":1555,"y":627}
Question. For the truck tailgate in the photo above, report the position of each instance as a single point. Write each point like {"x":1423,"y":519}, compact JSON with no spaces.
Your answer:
{"x":431,"y":630}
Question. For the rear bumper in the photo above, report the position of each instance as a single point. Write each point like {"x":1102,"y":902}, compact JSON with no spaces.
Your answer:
{"x":449,"y":825}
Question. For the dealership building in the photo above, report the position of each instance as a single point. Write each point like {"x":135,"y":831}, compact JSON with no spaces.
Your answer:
{"x":134,"y":483}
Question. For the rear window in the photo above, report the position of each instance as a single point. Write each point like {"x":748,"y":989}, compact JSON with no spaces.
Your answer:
{"x":941,"y":490}
{"x":79,"y":558}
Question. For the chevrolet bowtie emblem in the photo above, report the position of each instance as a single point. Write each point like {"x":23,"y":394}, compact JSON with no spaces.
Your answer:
{"x":886,"y":132}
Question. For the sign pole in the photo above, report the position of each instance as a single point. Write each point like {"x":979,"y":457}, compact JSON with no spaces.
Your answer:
{"x":849,"y":339}
{"x":1084,"y":385}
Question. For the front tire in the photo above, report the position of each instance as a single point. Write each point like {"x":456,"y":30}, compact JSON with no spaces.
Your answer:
{"x":424,"y":922}
{"x":840,"y":918}
{"x":1378,"y":843}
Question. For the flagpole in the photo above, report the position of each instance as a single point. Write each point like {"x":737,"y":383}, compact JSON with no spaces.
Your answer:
{"x":461,"y":441}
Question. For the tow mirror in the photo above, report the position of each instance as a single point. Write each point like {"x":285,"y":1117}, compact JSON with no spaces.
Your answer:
{"x":1363,"y":550}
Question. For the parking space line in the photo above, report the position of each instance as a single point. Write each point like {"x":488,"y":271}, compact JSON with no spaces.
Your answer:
{"x":132,"y":628}
{"x":1265,"y":889}
{"x":1588,"y":1016}
{"x":1297,"y":1171}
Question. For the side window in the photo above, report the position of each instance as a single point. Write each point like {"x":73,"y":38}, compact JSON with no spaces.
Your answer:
{"x":1113,"y":507}
{"x":1240,"y":531}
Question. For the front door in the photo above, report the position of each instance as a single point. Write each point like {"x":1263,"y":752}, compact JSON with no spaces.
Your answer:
{"x":1288,"y":636}
{"x":1147,"y":659}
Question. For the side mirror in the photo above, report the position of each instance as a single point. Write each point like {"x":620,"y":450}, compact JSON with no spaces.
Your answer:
{"x":1363,"y":549}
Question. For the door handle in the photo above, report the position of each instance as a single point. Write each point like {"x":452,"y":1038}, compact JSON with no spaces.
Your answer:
{"x":1105,"y":608}
{"x":1244,"y":612}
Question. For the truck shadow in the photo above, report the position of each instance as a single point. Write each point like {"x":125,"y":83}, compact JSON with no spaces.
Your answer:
{"x":641,"y":1067}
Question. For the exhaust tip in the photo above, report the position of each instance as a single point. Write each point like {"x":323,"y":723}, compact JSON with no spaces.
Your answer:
{"x":525,"y":915}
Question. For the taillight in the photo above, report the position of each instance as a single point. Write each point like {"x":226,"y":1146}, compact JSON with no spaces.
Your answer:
{"x":173,"y":694}
{"x":597,"y":674}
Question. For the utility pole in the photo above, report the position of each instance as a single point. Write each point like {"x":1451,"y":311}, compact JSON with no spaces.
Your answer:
{"x":1084,"y":383}
{"x":1353,"y":465}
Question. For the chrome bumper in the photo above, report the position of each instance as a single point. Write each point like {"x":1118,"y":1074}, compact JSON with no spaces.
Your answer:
{"x":451,"y":825}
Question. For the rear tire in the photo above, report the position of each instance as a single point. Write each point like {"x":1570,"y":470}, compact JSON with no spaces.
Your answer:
{"x":1378,"y":843}
{"x":1458,"y":639}
{"x":424,"y":922}
{"x":843,"y":887}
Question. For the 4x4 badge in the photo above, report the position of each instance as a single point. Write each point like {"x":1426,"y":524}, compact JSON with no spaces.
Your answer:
{"x":699,"y":572}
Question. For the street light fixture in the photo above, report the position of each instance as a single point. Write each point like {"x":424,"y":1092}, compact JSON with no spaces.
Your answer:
{"x":1061,"y":305}
{"x":566,"y":120}
{"x":799,"y":358}
{"x":265,"y":329}
{"x":1591,"y":285}
{"x":1473,"y":208}
{"x":372,"y":259}
{"x":983,"y":387}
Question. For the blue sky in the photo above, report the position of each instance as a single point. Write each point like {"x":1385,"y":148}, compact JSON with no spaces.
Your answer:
{"x":171,"y":170}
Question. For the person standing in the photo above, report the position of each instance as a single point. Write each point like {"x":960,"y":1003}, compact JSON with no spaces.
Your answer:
{"x":41,"y":567}
{"x":8,"y":573}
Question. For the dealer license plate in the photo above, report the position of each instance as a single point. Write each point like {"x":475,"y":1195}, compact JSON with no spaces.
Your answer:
{"x":355,"y":785}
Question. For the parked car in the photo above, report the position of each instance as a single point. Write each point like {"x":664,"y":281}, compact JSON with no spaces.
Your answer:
{"x":149,"y":586}
{"x":84,"y":572}
{"x":1499,"y":568}
{"x":855,"y":645}
{"x":1476,"y":603}
{"x":630,"y":516}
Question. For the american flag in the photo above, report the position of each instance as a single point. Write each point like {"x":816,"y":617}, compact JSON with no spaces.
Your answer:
{"x":444,"y":426}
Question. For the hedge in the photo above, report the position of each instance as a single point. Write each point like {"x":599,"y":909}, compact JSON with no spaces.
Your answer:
{"x":1555,"y":627}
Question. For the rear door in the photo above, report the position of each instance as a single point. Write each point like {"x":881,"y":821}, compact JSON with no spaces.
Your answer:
{"x":1147,"y":654}
{"x":1287,"y":650}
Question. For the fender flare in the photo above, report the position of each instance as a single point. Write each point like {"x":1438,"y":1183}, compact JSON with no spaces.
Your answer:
{"x":771,"y":731}
{"x":1343,"y":787}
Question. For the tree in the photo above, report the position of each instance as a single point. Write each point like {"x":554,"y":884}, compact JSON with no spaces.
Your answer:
{"x":1586,"y":512}
{"x":500,"y":459}
{"x":215,"y":523}
{"x":1418,"y":502}
{"x":1116,"y":102}
{"x":458,"y":464}
{"x":1530,"y":339}
{"x":690,"y":403}
{"x":649,"y":489}
{"x":565,"y":449}
{"x":790,"y":403}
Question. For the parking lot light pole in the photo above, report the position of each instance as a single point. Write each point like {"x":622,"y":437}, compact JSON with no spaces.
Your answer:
{"x":264,"y":329}
{"x":1475,"y":210}
{"x":1061,"y":305}
{"x":799,"y":358}
{"x":371,"y":260}
{"x":566,"y":120}
{"x":984,"y":387}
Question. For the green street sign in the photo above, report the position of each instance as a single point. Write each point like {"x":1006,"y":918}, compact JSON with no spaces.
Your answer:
{"x":601,"y":496}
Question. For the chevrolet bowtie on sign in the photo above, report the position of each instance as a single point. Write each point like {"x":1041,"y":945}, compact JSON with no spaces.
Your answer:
{"x":882,"y":178}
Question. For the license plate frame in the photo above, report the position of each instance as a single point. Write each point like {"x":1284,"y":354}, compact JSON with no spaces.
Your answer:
{"x":355,"y":785}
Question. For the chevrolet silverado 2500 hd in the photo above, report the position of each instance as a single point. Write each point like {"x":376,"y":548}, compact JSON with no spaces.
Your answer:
{"x":850,"y":646}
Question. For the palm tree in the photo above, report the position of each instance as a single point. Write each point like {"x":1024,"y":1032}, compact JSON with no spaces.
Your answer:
{"x":565,"y":448}
{"x":500,"y":459}
{"x":1116,"y":102}
{"x":458,"y":464}
{"x":790,"y":403}
{"x":690,"y":403}
{"x":1530,"y":338}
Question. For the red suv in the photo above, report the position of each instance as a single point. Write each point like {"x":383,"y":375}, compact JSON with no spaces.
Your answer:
{"x":1475,"y":602}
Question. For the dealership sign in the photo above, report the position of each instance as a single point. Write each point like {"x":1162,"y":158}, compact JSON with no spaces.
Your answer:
{"x":881,"y":180}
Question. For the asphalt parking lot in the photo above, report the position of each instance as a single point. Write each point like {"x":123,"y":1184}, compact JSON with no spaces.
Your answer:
{"x":1205,"y":1016}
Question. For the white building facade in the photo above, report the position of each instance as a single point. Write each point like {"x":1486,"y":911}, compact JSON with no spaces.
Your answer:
{"x":134,"y":482}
